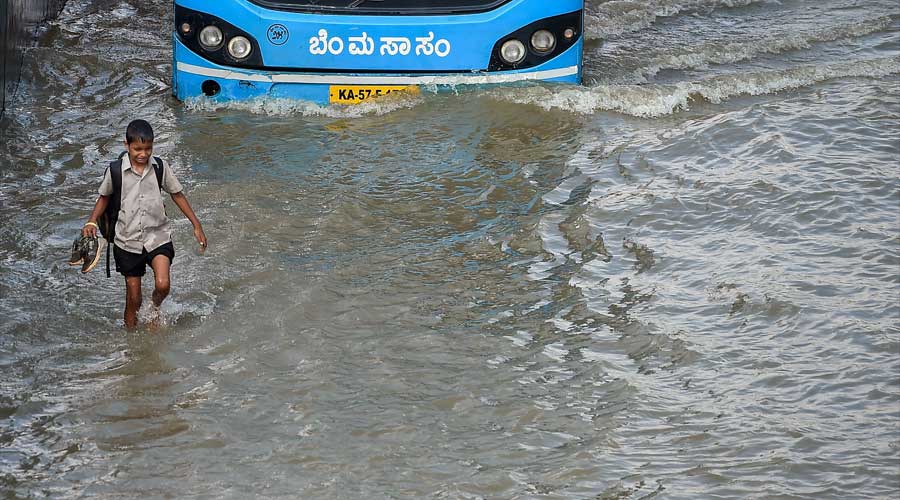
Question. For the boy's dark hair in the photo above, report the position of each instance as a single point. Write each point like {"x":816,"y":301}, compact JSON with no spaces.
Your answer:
{"x":139,"y":130}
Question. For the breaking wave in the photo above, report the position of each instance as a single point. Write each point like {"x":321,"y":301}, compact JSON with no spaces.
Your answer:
{"x":649,"y":101}
{"x":272,"y":106}
{"x":703,"y":55}
{"x":640,"y":100}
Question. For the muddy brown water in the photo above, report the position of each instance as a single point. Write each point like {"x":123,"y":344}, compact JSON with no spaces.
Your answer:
{"x":677,"y":281}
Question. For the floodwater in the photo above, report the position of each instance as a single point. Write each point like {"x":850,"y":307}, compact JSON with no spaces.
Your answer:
{"x":679,"y":281}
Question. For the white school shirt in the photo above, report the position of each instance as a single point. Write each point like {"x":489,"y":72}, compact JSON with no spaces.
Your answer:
{"x":142,"y":220}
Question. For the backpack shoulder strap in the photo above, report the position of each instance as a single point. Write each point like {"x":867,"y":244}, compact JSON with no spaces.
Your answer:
{"x":159,"y":169}
{"x":115,"y":201}
{"x":115,"y":174}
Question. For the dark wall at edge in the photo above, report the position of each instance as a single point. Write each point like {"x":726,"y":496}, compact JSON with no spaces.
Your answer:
{"x":18,"y":21}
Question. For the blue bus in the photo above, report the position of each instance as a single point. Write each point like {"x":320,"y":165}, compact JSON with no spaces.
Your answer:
{"x":350,"y":51}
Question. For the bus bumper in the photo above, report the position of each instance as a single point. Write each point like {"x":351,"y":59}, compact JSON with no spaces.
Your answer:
{"x":194,"y":76}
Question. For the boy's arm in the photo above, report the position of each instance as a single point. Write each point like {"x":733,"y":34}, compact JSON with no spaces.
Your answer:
{"x":181,"y":201}
{"x":90,"y":227}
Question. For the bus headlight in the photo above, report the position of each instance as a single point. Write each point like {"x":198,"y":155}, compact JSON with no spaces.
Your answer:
{"x":239,"y":48}
{"x":211,"y":38}
{"x":512,"y":52}
{"x":543,"y":41}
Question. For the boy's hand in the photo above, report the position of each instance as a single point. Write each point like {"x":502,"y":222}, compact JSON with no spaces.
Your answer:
{"x":89,"y":230}
{"x":201,"y":237}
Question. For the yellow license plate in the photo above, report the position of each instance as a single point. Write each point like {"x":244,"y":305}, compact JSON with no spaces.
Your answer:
{"x":355,"y":94}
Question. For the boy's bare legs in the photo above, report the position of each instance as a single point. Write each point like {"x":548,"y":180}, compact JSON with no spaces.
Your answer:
{"x":132,"y":300}
{"x":160,"y":265}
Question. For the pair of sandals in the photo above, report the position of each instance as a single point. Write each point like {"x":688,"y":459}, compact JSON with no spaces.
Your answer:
{"x":85,"y":252}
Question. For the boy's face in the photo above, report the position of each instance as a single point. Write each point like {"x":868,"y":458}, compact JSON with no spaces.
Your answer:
{"x":139,"y":152}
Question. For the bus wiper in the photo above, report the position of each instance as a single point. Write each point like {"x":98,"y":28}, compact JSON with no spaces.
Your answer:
{"x":357,"y":3}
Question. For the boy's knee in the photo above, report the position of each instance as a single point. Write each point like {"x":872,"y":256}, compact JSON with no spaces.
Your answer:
{"x":162,"y":287}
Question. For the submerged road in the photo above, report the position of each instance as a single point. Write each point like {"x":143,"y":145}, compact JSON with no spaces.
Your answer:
{"x":678,"y":281}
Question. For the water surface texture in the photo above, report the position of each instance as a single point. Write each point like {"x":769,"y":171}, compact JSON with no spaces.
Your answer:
{"x":678,"y":281}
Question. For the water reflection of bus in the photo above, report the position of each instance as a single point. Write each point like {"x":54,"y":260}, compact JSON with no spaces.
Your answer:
{"x":348,"y":51}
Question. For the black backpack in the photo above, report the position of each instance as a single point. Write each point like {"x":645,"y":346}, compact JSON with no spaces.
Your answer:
{"x":110,"y":216}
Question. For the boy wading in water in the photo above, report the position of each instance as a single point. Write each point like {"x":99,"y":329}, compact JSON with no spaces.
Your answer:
{"x":142,"y":235}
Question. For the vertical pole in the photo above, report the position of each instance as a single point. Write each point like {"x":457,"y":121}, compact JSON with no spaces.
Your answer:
{"x":18,"y":19}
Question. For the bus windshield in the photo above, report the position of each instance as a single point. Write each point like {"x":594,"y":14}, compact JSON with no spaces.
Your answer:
{"x":383,"y":7}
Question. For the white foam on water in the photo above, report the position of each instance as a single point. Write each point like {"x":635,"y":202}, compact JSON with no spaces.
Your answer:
{"x":521,"y":338}
{"x":556,"y":351}
{"x":173,"y":311}
{"x":562,"y":325}
{"x":123,"y":11}
{"x":272,"y":106}
{"x":641,"y":100}
{"x":648,"y":101}
{"x":624,"y":16}
{"x":498,"y":360}
{"x":701,"y":56}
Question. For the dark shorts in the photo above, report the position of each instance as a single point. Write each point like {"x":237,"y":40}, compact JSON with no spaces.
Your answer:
{"x":135,"y":264}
